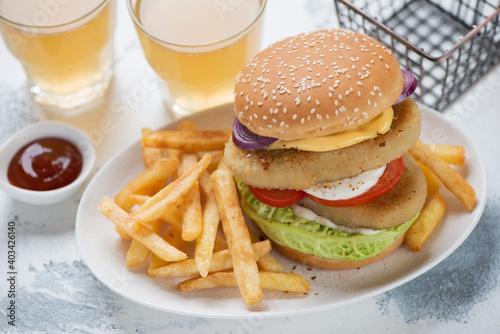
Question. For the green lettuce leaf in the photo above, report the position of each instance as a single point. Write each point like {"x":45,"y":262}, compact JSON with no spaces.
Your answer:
{"x":282,"y":226}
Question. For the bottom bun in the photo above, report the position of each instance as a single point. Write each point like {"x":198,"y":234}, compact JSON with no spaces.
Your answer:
{"x":324,"y":263}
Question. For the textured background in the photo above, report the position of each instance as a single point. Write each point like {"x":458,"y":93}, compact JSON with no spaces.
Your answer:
{"x":57,"y":293}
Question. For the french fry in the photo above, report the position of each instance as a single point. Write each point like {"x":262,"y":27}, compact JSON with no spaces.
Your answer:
{"x":214,"y":163}
{"x":290,"y":282}
{"x":206,"y":240}
{"x":236,"y":232}
{"x":432,"y":213}
{"x":150,"y":155}
{"x":122,"y":233}
{"x":450,"y":178}
{"x":138,"y":253}
{"x":191,"y":207}
{"x":188,"y":141}
{"x":205,"y":183}
{"x":148,"y":182}
{"x":171,"y":217}
{"x":433,"y":183}
{"x":184,"y":126}
{"x":172,"y":237}
{"x":451,"y":154}
{"x":139,"y":232}
{"x":172,"y":195}
{"x":187,"y":126}
{"x":266,"y":262}
{"x":221,"y":260}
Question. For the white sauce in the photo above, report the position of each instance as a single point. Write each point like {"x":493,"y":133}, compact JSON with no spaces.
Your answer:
{"x":347,"y":188}
{"x":303,"y":212}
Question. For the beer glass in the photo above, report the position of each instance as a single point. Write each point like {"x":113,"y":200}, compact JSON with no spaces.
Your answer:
{"x":197,"y":47}
{"x":65,"y":47}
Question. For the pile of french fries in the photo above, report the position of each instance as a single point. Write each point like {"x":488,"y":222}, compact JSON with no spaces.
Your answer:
{"x":176,"y":205}
{"x":435,"y":161}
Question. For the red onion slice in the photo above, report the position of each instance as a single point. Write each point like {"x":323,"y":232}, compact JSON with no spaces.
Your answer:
{"x":247,"y":140}
{"x":410,"y":84}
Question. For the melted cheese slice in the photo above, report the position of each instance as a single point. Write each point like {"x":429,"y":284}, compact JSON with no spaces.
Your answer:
{"x":377,"y":126}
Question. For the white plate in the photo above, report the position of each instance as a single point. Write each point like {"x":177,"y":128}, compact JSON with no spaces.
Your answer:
{"x":104,"y":251}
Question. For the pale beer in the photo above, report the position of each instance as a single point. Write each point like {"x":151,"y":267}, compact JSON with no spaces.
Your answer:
{"x":65,"y":47}
{"x":198,"y":47}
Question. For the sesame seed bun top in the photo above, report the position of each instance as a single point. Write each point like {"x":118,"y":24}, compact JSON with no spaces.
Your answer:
{"x":316,"y":83}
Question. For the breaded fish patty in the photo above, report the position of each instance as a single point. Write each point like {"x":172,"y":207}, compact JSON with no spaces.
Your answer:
{"x":295,"y":169}
{"x":397,"y":207}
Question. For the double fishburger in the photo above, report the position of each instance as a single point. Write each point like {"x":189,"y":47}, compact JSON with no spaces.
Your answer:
{"x":323,"y":124}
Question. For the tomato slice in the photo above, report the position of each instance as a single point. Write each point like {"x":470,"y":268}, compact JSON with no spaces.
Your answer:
{"x":278,"y":198}
{"x":387,"y":181}
{"x":283,"y":198}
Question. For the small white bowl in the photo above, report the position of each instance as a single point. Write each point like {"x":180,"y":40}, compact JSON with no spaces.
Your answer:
{"x":37,"y":131}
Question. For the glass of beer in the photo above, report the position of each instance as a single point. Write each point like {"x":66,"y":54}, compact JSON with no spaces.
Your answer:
{"x":65,"y":47}
{"x":197,"y":47}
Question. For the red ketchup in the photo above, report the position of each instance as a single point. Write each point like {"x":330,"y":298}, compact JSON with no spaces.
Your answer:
{"x":45,"y":164}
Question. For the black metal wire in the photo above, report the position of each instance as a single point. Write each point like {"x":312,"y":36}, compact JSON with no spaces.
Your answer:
{"x":447,"y":44}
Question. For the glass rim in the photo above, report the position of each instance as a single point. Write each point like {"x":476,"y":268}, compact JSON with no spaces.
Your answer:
{"x":34,"y":26}
{"x":243,"y":31}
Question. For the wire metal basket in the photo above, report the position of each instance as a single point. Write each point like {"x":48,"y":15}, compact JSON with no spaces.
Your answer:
{"x":448,"y":45}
